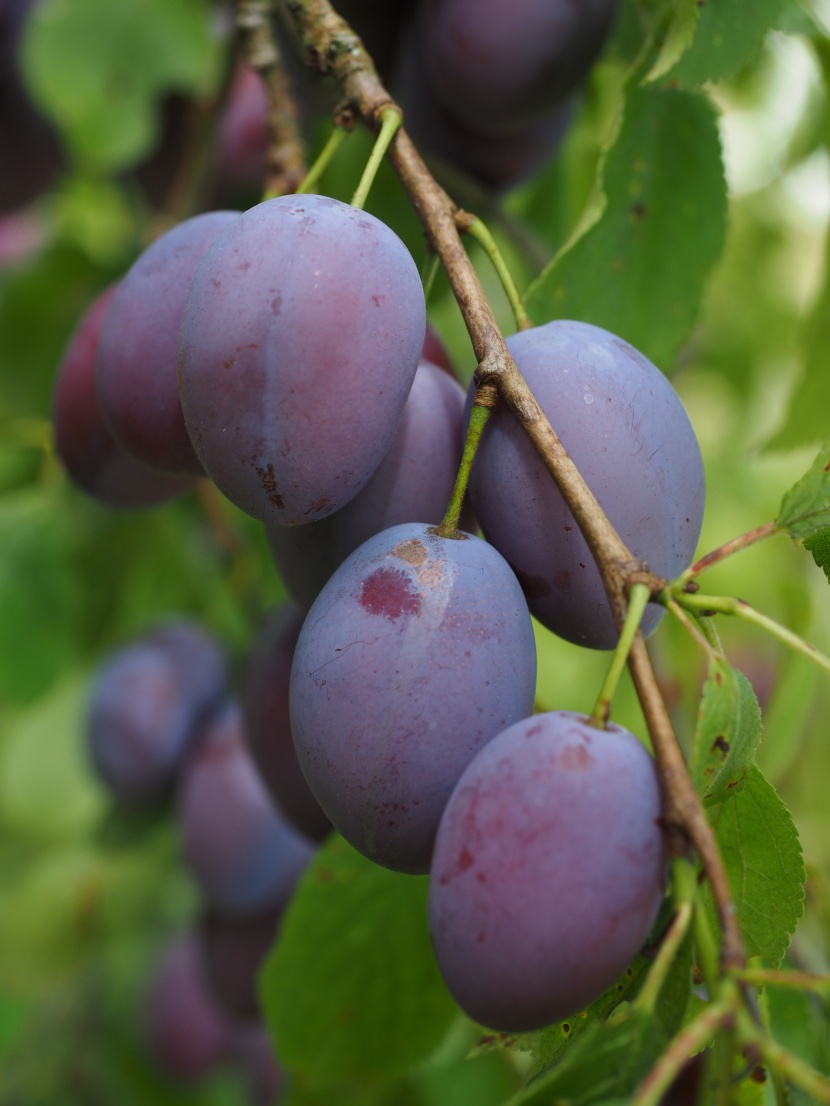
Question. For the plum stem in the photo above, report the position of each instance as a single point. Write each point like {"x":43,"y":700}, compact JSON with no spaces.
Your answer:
{"x":638,"y":598}
{"x":684,"y":882}
{"x":743,"y":541}
{"x":689,"y":1041}
{"x":390,"y":121}
{"x":483,"y":404}
{"x":473,"y":225}
{"x":333,"y":47}
{"x":727,"y":604}
{"x":321,"y":162}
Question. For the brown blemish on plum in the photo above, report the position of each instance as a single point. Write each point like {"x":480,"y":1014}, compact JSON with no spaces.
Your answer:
{"x":276,"y":305}
{"x":318,"y":505}
{"x":413,"y":551}
{"x":269,"y":483}
{"x":387,"y":592}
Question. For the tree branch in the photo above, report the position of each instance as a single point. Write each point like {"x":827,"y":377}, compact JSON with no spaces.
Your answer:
{"x":333,"y":48}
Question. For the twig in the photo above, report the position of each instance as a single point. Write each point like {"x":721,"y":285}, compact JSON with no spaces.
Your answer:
{"x":335,"y":49}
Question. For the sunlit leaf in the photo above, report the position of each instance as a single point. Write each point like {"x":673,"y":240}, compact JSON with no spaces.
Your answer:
{"x":640,"y":270}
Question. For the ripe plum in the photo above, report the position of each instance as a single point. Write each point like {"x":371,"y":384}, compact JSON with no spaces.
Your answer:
{"x":268,"y":724}
{"x":501,"y":66}
{"x":417,"y":652}
{"x":189,"y":1033}
{"x":548,"y":870}
{"x":146,"y":707}
{"x":94,"y":460}
{"x":627,"y":431}
{"x":136,"y":368}
{"x":250,"y":858}
{"x":414,"y":480}
{"x":298,"y":346}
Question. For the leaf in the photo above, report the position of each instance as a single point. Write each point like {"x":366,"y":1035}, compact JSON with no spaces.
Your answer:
{"x":805,"y":508}
{"x":608,"y":1062}
{"x":762,"y":856}
{"x":99,"y":68}
{"x":727,"y":734}
{"x":351,"y":990}
{"x":677,"y":39}
{"x":38,"y":596}
{"x":47,"y":791}
{"x":729,"y":33}
{"x":638,"y":271}
{"x":819,"y":546}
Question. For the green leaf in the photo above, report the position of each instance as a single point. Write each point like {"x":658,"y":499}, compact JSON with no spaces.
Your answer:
{"x":677,"y":38}
{"x":99,"y":68}
{"x":609,"y":1061}
{"x":727,"y":734}
{"x":762,"y":855}
{"x":38,"y":596}
{"x":640,"y":269}
{"x":47,"y":792}
{"x":729,"y":33}
{"x":819,"y":546}
{"x":805,"y":509}
{"x":351,"y":990}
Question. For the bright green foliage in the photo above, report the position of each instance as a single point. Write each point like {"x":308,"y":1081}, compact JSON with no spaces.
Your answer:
{"x":677,"y":38}
{"x":727,"y":734}
{"x":98,"y":68}
{"x":640,"y":270}
{"x":805,"y":509}
{"x":762,"y":856}
{"x":729,"y":33}
{"x":356,"y":934}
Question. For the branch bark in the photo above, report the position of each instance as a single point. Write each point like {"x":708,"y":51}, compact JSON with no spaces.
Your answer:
{"x":333,"y":48}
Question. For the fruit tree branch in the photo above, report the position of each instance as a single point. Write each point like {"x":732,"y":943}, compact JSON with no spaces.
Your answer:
{"x":334,"y":49}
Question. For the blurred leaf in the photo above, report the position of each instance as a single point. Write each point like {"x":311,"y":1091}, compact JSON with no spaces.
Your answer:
{"x":98,"y":69}
{"x":47,"y":792}
{"x":40,"y":303}
{"x":819,"y":546}
{"x":609,"y":1061}
{"x":678,"y":37}
{"x":351,"y":990}
{"x":38,"y":597}
{"x":727,"y":734}
{"x":805,"y":508}
{"x":806,"y":420}
{"x":639,"y":271}
{"x":673,"y":1000}
{"x":762,"y":855}
{"x":729,"y":33}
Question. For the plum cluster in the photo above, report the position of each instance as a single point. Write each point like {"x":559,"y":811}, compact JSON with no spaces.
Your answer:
{"x":162,"y":728}
{"x":285,"y":361}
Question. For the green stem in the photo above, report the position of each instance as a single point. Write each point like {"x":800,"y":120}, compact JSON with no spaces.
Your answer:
{"x":744,"y":541}
{"x":638,"y":598}
{"x":485,"y":239}
{"x":479,"y":414}
{"x":328,"y":151}
{"x":677,"y":1055}
{"x":724,"y":604}
{"x":790,"y":1066}
{"x":769,"y":977}
{"x":692,"y":627}
{"x":429,"y":271}
{"x":390,"y":121}
{"x":684,"y":884}
{"x":707,"y":950}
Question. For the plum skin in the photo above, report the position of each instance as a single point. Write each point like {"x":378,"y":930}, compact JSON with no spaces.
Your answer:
{"x":548,"y":870}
